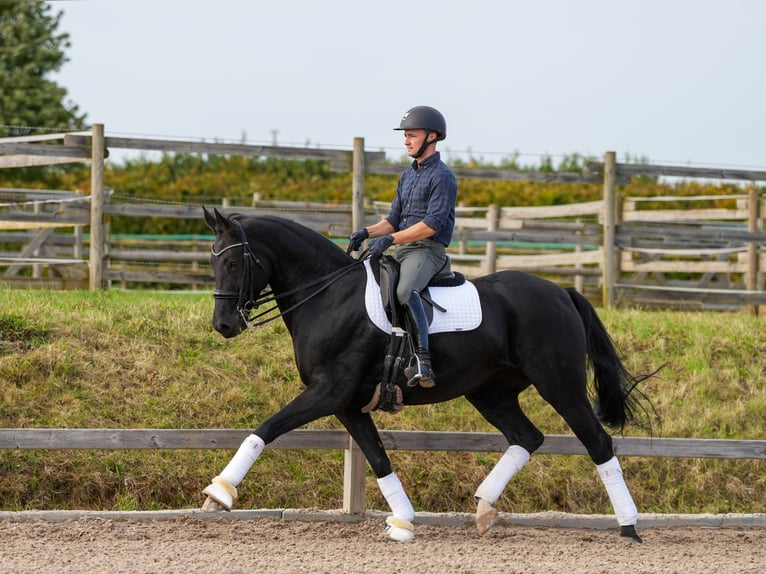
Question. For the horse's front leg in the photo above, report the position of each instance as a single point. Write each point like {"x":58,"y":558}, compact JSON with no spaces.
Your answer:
{"x":362,"y":429}
{"x":310,"y":405}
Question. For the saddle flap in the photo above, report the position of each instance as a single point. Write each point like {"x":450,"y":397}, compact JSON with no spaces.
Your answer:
{"x":389,"y":279}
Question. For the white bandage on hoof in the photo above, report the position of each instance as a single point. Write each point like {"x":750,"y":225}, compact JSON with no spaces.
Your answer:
{"x":485,"y":516}
{"x":512,"y":461}
{"x":399,"y":529}
{"x":624,"y":507}
{"x":222,"y":492}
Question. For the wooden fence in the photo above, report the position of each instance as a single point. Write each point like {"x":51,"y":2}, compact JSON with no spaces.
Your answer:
{"x":624,"y":251}
{"x":354,"y":463}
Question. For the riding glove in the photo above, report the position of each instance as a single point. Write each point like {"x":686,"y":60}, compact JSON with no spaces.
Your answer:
{"x":379,"y":245}
{"x":355,"y":241}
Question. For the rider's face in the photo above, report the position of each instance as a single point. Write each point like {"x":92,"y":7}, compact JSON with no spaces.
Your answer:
{"x":413,"y":139}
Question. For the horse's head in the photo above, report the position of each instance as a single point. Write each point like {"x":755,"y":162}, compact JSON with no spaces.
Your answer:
{"x":240,"y":276}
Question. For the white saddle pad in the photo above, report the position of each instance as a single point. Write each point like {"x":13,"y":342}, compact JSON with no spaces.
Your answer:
{"x":462,"y":305}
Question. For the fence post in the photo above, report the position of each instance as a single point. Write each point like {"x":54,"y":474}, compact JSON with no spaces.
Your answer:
{"x":37,"y":269}
{"x":579,"y":280}
{"x":357,"y":185}
{"x":96,"y":256}
{"x":493,"y":215}
{"x":610,"y":217}
{"x":752,"y":246}
{"x":354,"y":467}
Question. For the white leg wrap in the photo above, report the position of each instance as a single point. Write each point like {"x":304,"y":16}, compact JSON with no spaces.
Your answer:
{"x":397,"y":499}
{"x":399,"y":526}
{"x":512,"y":461}
{"x":223,"y":488}
{"x":248,"y":453}
{"x":624,"y":507}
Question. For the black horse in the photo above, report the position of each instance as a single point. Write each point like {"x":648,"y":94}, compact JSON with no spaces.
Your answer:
{"x":532,"y":332}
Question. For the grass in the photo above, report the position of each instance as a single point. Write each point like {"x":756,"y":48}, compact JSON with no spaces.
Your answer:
{"x":147,"y":360}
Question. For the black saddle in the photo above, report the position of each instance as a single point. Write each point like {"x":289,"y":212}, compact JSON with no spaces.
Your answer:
{"x":386,"y":271}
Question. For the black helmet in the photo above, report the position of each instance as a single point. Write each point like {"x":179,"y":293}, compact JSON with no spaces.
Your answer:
{"x":424,"y":118}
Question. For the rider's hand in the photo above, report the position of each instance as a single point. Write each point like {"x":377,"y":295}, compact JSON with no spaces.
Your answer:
{"x":355,"y":241}
{"x":379,"y":245}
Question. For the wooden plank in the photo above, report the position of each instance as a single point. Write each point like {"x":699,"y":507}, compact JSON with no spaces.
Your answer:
{"x":527,"y":236}
{"x":684,"y":198}
{"x":28,"y":251}
{"x":116,"y":254}
{"x":324,"y":220}
{"x":630,"y":170}
{"x":532,"y":176}
{"x":704,"y":294}
{"x":625,"y":232}
{"x":675,"y":215}
{"x":24,"y":220}
{"x":381,"y":168}
{"x":21,"y":225}
{"x":215,"y":148}
{"x":128,"y":439}
{"x":37,"y":138}
{"x":44,"y":150}
{"x":553,"y":211}
{"x":594,"y":256}
{"x":685,"y":252}
{"x":53,"y":284}
{"x":108,"y":439}
{"x":354,"y":478}
{"x":677,"y":266}
{"x":33,"y":160}
{"x":172,"y":277}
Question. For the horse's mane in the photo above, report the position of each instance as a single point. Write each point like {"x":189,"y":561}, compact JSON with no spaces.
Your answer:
{"x":311,"y":244}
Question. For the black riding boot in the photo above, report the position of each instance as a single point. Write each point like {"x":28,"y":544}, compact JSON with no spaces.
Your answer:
{"x":418,"y":326}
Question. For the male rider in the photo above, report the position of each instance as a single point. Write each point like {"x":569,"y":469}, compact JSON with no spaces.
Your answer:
{"x":419,"y":224}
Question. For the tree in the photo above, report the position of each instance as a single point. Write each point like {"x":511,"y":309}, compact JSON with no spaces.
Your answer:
{"x":30,"y":50}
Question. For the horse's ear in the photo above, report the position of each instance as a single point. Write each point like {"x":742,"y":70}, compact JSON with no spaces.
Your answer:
{"x":215,"y":221}
{"x":209,"y":219}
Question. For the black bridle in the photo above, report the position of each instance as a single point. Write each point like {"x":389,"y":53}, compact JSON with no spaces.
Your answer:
{"x":248,"y":300}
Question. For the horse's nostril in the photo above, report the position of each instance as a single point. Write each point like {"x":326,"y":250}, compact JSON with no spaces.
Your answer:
{"x":226,"y":329}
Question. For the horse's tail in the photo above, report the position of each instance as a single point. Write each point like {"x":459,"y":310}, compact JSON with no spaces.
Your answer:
{"x":616,"y":402}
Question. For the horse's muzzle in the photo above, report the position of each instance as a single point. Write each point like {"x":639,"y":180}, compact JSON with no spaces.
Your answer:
{"x":229,"y":329}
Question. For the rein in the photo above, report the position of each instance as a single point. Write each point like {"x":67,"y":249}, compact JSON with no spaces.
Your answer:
{"x":248,"y":300}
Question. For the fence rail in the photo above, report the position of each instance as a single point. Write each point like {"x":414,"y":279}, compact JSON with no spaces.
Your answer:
{"x":354,"y":466}
{"x":142,"y":439}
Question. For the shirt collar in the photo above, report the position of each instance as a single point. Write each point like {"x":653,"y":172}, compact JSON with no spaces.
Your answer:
{"x":430,"y":160}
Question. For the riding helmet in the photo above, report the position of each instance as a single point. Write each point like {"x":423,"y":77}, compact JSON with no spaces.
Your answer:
{"x":424,"y":118}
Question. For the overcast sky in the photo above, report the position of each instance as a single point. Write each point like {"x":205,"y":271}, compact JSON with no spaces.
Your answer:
{"x":674,"y":81}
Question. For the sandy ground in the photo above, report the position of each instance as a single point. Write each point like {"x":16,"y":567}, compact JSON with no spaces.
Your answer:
{"x":188,"y":545}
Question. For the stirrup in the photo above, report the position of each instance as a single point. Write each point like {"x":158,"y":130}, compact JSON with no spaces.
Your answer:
{"x":421,"y":374}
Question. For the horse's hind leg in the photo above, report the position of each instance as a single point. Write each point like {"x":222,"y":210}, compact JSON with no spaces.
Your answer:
{"x":500,"y":406}
{"x":579,"y":415}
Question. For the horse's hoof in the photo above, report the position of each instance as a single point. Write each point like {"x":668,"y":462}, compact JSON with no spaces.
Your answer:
{"x":630,"y":532}
{"x":485,"y":516}
{"x":220,"y":492}
{"x":212,"y":505}
{"x":399,"y":530}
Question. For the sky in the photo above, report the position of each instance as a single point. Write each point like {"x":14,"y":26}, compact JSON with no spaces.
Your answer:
{"x":668,"y":81}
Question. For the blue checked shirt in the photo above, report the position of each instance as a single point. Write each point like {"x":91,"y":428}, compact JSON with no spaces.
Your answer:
{"x":427,"y":193}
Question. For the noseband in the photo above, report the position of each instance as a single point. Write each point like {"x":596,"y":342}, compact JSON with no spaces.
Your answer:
{"x":246,"y":297}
